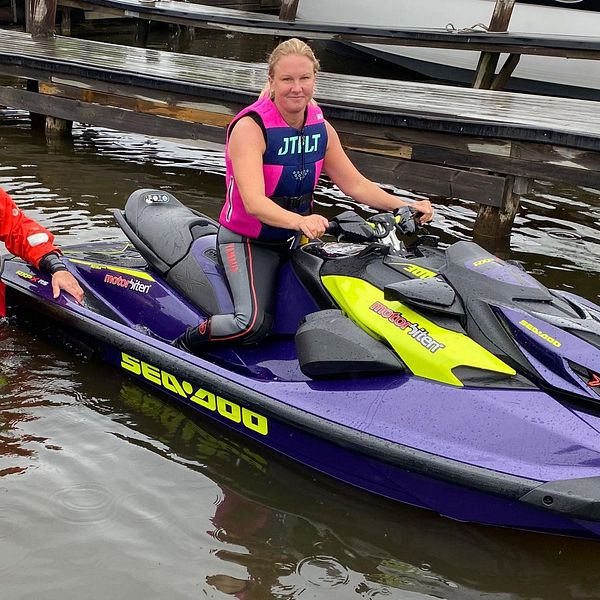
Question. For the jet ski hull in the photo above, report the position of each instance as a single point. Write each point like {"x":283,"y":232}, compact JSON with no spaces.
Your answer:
{"x":511,"y":458}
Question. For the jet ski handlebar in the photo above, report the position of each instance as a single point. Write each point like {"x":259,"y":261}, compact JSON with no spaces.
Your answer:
{"x":351,"y":227}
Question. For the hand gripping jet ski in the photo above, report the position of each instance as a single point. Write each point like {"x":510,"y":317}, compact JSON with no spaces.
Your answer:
{"x":443,"y":378}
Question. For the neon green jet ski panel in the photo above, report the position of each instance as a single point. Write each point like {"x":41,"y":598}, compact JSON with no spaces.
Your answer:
{"x":427,"y":349}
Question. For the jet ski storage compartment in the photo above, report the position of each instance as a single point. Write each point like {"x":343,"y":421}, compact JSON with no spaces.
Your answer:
{"x":329,"y":344}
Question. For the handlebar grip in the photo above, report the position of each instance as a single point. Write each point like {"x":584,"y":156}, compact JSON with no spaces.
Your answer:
{"x":333,"y":228}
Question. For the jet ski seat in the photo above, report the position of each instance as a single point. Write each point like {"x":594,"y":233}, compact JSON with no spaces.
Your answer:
{"x":166,"y":232}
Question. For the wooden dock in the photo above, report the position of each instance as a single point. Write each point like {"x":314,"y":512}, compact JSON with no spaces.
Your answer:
{"x":471,"y":144}
{"x":207,"y":15}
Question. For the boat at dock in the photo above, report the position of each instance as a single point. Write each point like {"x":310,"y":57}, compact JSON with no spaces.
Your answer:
{"x":547,"y":75}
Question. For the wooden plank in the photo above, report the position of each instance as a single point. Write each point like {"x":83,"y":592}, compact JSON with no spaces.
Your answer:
{"x":508,"y":68}
{"x":182,"y":111}
{"x":556,"y":163}
{"x":107,"y":116}
{"x":475,"y":148}
{"x":396,"y":135}
{"x":385,"y":102}
{"x":131,"y":91}
{"x":508,"y":166}
{"x":431,"y":179}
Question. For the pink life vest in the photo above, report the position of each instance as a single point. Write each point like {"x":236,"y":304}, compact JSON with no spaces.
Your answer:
{"x":292,"y":163}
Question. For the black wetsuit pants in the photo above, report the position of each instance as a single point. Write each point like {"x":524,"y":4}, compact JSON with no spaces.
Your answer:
{"x":251,"y":268}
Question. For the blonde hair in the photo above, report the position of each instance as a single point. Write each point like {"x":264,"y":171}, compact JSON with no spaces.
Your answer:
{"x":289,"y":47}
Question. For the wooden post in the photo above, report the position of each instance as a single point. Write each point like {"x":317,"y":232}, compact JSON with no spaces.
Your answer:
{"x":488,"y":61}
{"x":40,"y":17}
{"x":493,"y":226}
{"x":180,"y":37}
{"x":502,"y":14}
{"x":508,"y":68}
{"x":140,"y":33}
{"x":58,"y":128}
{"x":65,"y":22}
{"x":38,"y":121}
{"x":288,"y":10}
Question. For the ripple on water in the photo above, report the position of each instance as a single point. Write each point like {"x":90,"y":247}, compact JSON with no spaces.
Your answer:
{"x":83,"y":503}
{"x":562,"y":234}
{"x":323,"y":571}
{"x":140,"y":506}
{"x":377,"y":593}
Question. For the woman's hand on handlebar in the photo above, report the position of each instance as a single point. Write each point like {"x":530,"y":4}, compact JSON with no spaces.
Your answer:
{"x":423,"y":209}
{"x":312,"y":226}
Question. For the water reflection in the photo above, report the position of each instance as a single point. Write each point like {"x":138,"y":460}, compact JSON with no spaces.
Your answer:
{"x":22,"y":394}
{"x":282,"y":532}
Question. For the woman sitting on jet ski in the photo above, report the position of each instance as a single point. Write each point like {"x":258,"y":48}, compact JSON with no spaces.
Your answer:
{"x":274,"y":154}
{"x":35,"y":244}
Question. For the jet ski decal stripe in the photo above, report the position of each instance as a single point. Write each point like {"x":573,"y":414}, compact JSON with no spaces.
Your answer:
{"x":427,"y":349}
{"x":132,"y":272}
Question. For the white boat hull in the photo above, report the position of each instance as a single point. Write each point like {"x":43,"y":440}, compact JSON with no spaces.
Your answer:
{"x":459,"y":64}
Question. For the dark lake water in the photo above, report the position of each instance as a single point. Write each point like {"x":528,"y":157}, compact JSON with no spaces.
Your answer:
{"x":108,"y":491}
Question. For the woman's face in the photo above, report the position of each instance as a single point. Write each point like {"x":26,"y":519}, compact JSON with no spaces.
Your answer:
{"x":292,"y":83}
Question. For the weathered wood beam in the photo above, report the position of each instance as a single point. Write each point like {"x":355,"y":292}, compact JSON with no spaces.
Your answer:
{"x":140,"y":33}
{"x":108,"y":116}
{"x":508,"y":68}
{"x":431,"y":179}
{"x":58,"y":128}
{"x":182,"y":110}
{"x":486,"y":68}
{"x":502,"y":14}
{"x":488,"y":61}
{"x":65,"y":22}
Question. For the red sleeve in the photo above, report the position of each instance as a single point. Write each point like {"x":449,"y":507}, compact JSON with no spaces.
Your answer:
{"x":22,"y":235}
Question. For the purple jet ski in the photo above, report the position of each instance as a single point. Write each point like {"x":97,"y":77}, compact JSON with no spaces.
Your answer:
{"x":443,"y":378}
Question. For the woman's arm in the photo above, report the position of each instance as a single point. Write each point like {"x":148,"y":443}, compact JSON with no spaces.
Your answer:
{"x":246,"y":149}
{"x":31,"y":241}
{"x":354,"y":184}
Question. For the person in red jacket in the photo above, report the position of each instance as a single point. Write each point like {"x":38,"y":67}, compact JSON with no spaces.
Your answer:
{"x":35,"y":244}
